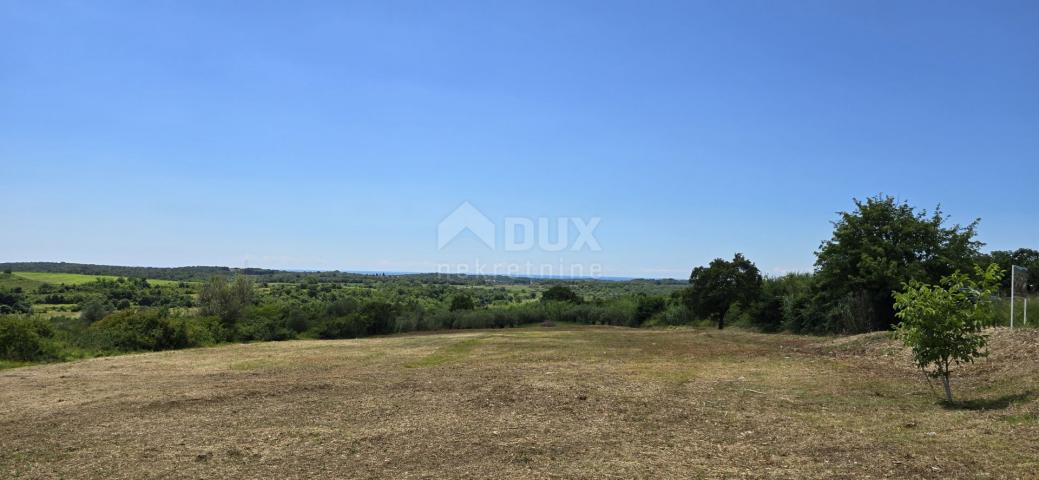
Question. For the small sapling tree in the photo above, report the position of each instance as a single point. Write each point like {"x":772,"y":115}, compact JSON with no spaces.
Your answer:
{"x":943,"y":323}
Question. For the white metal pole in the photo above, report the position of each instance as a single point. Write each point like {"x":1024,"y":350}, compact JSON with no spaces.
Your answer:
{"x":1012,"y":271}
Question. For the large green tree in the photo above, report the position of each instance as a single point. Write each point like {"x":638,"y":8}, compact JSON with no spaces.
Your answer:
{"x":715,"y":288}
{"x":875,"y":249}
{"x":560,"y":293}
{"x":226,"y":300}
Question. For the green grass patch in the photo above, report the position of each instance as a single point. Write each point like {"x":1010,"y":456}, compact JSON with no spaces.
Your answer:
{"x":450,"y":353}
{"x":4,"y":364}
{"x":74,"y":278}
{"x":11,"y":281}
{"x":1022,"y":419}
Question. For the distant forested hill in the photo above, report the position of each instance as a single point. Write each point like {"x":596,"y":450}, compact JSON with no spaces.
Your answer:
{"x":160,"y":273}
{"x":203,"y":273}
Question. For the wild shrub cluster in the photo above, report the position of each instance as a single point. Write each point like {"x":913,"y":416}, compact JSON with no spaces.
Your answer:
{"x":14,"y":300}
{"x":26,"y":339}
{"x":238,"y":310}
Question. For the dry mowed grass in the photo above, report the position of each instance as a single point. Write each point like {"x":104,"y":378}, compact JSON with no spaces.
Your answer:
{"x":592,"y":402}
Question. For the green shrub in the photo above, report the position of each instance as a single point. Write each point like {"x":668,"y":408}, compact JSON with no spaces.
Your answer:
{"x":767,"y":314}
{"x":498,"y":317}
{"x":201,"y":331}
{"x":675,"y":314}
{"x":14,"y":301}
{"x":264,"y":323}
{"x":94,"y":310}
{"x":264,"y":330}
{"x":341,"y":307}
{"x":560,"y":293}
{"x":462,"y":301}
{"x":139,"y":329}
{"x":378,"y":317}
{"x":619,"y":313}
{"x":347,"y":326}
{"x":297,"y":318}
{"x":25,"y":339}
{"x":646,"y":307}
{"x":410,"y":317}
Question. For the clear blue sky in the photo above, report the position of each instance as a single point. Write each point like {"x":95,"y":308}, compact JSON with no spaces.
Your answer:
{"x":336,"y":135}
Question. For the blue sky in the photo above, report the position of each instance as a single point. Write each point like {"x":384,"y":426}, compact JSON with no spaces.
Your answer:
{"x":337,"y":135}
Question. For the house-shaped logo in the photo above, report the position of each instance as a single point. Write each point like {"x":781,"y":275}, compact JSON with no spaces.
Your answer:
{"x":465,"y":217}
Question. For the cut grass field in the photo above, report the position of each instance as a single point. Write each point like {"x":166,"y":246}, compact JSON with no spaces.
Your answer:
{"x":563,"y":402}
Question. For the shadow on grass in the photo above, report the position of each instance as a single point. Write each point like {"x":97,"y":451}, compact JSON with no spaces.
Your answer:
{"x":997,"y":403}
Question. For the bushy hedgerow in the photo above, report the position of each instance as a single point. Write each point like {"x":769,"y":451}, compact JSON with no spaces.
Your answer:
{"x":201,"y":331}
{"x":268,"y":322}
{"x":25,"y":339}
{"x":290,"y":313}
{"x":561,"y":293}
{"x":586,"y":314}
{"x":495,"y":317}
{"x":673,"y":315}
{"x":14,"y":301}
{"x":139,"y":329}
{"x":346,"y":326}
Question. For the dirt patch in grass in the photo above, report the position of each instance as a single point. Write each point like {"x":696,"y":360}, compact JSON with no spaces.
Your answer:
{"x":585,"y":402}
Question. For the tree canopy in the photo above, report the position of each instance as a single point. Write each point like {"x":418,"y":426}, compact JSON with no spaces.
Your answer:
{"x":876,"y":248}
{"x":226,"y":300}
{"x":560,"y":293}
{"x":462,"y":301}
{"x":715,"y":288}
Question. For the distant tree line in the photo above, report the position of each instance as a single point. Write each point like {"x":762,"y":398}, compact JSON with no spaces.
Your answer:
{"x":158,"y":273}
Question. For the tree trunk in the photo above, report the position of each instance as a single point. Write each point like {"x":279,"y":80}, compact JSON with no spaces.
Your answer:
{"x":948,"y":389}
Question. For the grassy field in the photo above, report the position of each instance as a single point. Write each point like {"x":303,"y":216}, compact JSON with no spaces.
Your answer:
{"x":73,"y":278}
{"x":13,"y":280}
{"x":563,"y":402}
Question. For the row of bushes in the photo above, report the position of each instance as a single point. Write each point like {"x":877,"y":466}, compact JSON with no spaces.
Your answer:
{"x":28,"y":338}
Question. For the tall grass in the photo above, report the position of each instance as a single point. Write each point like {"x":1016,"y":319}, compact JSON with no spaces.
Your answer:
{"x":1001,"y":312}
